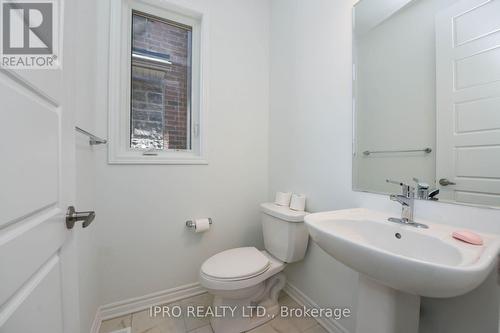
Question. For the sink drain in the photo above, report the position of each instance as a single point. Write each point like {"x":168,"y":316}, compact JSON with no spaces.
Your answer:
{"x":398,"y":235}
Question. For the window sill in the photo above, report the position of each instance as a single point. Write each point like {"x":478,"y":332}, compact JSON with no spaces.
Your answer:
{"x":162,"y":158}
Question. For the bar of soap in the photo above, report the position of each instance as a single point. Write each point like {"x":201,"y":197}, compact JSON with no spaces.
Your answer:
{"x":468,"y":237}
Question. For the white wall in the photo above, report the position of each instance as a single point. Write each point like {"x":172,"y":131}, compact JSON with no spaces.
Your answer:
{"x":310,"y":128}
{"x":369,"y":14}
{"x":310,"y":152}
{"x":143,"y":243}
{"x":85,"y":164}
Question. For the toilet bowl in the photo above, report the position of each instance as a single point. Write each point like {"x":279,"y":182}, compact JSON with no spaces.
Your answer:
{"x":248,"y":281}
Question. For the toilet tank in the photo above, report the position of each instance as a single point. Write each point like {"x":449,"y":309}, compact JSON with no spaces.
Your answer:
{"x":285,"y":234}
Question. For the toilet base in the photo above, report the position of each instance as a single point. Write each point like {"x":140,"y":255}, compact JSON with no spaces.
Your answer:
{"x":250,"y":312}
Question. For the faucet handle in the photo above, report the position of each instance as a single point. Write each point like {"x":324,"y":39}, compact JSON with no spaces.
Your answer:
{"x":421,"y":185}
{"x":398,"y":183}
{"x":394,"y":182}
{"x":407,"y":189}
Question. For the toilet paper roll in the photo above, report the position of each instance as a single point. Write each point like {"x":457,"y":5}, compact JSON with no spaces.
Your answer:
{"x":283,"y":198}
{"x":201,"y":225}
{"x":298,"y":202}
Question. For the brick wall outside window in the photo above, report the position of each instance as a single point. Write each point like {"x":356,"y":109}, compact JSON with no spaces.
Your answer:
{"x":159,"y":97}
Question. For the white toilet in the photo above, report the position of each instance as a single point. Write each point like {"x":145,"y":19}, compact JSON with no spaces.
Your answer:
{"x":245,"y":277}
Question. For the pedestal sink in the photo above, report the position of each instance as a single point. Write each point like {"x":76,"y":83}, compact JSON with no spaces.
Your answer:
{"x":399,"y":263}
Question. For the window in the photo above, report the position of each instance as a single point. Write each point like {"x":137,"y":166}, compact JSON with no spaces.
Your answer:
{"x":161,"y":73}
{"x":155,"y":92}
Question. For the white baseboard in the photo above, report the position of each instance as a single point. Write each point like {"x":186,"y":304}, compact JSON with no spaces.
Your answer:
{"x":329,"y":324}
{"x":136,"y":304}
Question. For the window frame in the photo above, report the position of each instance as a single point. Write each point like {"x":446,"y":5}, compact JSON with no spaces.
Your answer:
{"x":119,"y":89}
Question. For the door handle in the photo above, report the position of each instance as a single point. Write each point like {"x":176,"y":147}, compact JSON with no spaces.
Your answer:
{"x":446,"y":182}
{"x":73,"y":216}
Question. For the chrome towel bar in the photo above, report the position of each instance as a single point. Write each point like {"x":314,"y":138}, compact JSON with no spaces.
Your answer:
{"x":425,"y":150}
{"x":93,"y":140}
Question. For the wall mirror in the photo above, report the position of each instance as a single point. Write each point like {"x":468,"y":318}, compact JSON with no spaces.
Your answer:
{"x":427,"y":98}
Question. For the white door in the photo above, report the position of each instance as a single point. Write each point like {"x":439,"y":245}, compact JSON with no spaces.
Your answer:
{"x":38,"y":272}
{"x":468,"y":102}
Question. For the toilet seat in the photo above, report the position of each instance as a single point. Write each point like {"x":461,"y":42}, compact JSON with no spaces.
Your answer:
{"x":236,"y":264}
{"x":274,"y":266}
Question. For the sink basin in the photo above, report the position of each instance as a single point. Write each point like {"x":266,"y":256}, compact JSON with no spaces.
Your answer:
{"x":424,"y":262}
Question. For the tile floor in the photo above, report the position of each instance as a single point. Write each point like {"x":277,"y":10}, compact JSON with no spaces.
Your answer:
{"x":141,"y":322}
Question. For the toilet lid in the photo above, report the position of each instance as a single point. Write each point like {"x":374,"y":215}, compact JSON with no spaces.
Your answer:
{"x":236,"y":264}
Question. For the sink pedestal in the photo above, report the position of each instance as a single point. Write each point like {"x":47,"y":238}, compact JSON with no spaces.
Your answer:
{"x":381,"y":309}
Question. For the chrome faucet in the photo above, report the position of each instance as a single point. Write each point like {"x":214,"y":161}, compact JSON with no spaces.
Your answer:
{"x":407,"y":200}
{"x":423,"y":192}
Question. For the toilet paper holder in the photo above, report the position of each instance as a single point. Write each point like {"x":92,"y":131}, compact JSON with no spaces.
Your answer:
{"x":191,"y":225}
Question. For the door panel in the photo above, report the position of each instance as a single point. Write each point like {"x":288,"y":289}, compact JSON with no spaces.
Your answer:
{"x":45,"y":84}
{"x":42,"y":235}
{"x":29,"y":139}
{"x":477,"y":69}
{"x":38,"y":272}
{"x":468,"y":166}
{"x":478,"y":198}
{"x":468,"y":101}
{"x":477,"y":22}
{"x":38,"y":305}
{"x":466,"y":115}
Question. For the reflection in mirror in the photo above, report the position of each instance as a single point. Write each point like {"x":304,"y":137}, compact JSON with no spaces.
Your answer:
{"x":427,"y":98}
